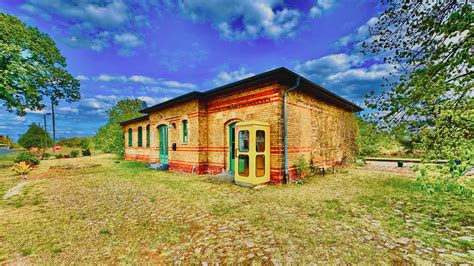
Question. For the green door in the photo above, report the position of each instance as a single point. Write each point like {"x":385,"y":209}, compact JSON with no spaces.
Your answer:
{"x":231,"y":147}
{"x":163,"y":144}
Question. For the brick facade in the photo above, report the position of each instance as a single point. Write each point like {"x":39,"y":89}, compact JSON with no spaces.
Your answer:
{"x":315,"y":128}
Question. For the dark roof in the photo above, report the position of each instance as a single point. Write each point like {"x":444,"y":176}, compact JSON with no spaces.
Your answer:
{"x":141,"y":118}
{"x":282,"y":74}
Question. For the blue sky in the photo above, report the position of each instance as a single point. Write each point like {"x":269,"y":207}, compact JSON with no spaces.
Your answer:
{"x":157,"y":50}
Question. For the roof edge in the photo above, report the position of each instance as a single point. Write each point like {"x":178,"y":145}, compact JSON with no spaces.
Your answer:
{"x":137,"y":119}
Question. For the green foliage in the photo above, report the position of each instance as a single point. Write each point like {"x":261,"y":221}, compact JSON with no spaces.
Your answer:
{"x":302,"y":165}
{"x":448,"y":178}
{"x":110,"y":137}
{"x":59,"y":156}
{"x":45,"y":156}
{"x":35,"y":136}
{"x":27,"y":157}
{"x":372,"y":140}
{"x":31,"y":68}
{"x":84,"y":144}
{"x":431,"y":98}
{"x":125,"y":109}
{"x":74,"y":153}
{"x":21,"y":168}
{"x":73,"y":142}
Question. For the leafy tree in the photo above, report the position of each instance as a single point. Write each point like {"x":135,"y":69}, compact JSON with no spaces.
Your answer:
{"x":430,"y":46}
{"x":372,"y":140}
{"x":31,"y":67}
{"x":35,"y":136}
{"x":110,"y":137}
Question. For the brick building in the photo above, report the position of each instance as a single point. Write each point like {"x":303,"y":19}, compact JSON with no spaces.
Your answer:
{"x":199,"y":132}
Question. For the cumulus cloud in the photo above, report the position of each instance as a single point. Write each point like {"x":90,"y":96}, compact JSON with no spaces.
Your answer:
{"x":361,"y":33}
{"x":171,"y":85}
{"x":225,"y":77}
{"x":176,"y":84}
{"x":82,"y":77}
{"x":245,"y":19}
{"x":152,"y":100}
{"x":348,"y":75}
{"x":320,"y":6}
{"x":127,"y":39}
{"x":93,"y":24}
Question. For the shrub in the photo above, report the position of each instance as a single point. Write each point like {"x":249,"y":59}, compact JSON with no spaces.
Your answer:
{"x":27,"y":157}
{"x":74,"y":153}
{"x":448,"y":178}
{"x":86,"y":152}
{"x":59,"y":156}
{"x":302,"y":166}
{"x":67,"y":156}
{"x":21,"y":168}
{"x":35,"y":136}
{"x":45,"y":156}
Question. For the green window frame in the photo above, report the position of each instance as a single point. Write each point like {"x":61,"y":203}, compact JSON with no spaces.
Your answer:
{"x":185,"y":131}
{"x":148,"y":136}
{"x":130,"y":137}
{"x":140,"y":137}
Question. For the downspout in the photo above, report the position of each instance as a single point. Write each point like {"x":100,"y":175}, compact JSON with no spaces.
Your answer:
{"x":285,"y":130}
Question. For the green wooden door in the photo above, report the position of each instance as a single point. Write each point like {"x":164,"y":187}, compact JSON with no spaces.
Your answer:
{"x":232,"y":147}
{"x":163,"y":130}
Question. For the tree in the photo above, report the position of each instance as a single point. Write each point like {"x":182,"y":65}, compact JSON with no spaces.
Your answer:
{"x":125,"y":109}
{"x":35,"y":136}
{"x":31,"y":67}
{"x":110,"y":137}
{"x":430,"y":96}
{"x":372,"y":140}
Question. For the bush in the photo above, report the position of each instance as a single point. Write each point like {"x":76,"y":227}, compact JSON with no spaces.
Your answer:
{"x":21,"y":168}
{"x":59,"y":156}
{"x":35,"y":136}
{"x":45,"y":156}
{"x":86,"y":152}
{"x":27,"y":157}
{"x":448,"y":178}
{"x":74,"y":153}
{"x":67,"y":156}
{"x":302,"y":166}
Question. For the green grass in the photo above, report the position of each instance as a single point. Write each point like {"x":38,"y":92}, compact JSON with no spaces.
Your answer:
{"x":124,"y":213}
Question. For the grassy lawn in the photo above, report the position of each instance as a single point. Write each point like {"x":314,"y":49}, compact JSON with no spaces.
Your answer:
{"x":110,"y":212}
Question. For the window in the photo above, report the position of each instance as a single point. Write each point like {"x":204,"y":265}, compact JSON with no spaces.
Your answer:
{"x":148,"y":136}
{"x":244,"y":141}
{"x":260,"y":165}
{"x":185,"y":131}
{"x":130,"y":136}
{"x":243,"y":165}
{"x":260,"y":141}
{"x":140,"y":140}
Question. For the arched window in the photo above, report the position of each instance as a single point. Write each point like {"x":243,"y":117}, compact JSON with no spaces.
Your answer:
{"x":130,"y":135}
{"x":185,"y":131}
{"x":148,"y":136}
{"x":140,"y":137}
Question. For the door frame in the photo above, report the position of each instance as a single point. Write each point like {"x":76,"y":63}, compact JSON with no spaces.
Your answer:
{"x":163,"y":144}
{"x":231,"y":139}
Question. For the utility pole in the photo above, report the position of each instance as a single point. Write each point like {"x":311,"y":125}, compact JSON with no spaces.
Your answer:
{"x":54,"y":123}
{"x":45,"y":130}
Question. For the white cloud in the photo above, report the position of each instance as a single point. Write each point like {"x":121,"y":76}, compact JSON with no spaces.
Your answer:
{"x":82,"y":77}
{"x":176,"y":84}
{"x":227,"y":77}
{"x":142,"y":79}
{"x":245,"y":19}
{"x":127,"y":39}
{"x":170,"y":84}
{"x":111,"y":14}
{"x":361,"y":34}
{"x":320,"y":6}
{"x":68,"y":109}
{"x":152,"y":101}
{"x":348,"y":75}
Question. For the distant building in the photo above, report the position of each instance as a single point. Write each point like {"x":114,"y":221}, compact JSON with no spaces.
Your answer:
{"x":239,"y":128}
